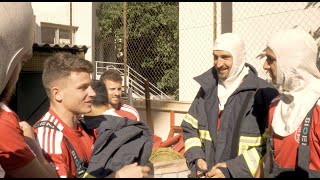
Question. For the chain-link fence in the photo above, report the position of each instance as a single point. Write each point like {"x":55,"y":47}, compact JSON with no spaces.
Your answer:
{"x":170,"y":43}
{"x":151,"y":46}
{"x":256,"y":21}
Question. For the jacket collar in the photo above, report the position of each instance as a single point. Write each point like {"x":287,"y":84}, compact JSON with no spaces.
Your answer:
{"x":209,"y":79}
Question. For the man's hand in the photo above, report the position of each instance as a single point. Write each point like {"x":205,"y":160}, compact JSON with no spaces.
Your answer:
{"x":133,"y":171}
{"x":215,"y":172}
{"x":202,"y":167}
{"x":27,"y":129}
{"x":30,"y":139}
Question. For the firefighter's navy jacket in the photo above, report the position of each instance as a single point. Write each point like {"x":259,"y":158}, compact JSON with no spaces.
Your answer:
{"x":203,"y":140}
{"x":120,"y":141}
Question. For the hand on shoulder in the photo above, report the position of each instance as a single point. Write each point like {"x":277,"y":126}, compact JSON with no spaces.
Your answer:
{"x":27,"y":129}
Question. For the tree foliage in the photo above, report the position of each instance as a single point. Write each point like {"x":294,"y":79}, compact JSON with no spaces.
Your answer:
{"x":152,"y":38}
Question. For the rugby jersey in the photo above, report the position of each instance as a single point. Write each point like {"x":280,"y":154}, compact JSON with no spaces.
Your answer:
{"x":124,"y":111}
{"x":14,"y":151}
{"x":55,"y":147}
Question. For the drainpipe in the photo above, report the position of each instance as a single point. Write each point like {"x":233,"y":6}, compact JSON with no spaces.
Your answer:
{"x":214,"y":21}
{"x":226,"y":17}
{"x":70,"y":22}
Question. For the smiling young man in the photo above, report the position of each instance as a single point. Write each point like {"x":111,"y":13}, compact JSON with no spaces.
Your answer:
{"x":113,"y":82}
{"x":224,"y":126}
{"x":294,"y":117}
{"x":67,"y":81}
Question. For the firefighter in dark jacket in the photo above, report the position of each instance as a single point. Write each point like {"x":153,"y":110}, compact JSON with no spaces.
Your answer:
{"x":224,"y":127}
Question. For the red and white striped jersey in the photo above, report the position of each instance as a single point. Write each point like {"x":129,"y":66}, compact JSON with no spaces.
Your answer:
{"x":124,"y":111}
{"x":55,"y":147}
{"x":14,"y":151}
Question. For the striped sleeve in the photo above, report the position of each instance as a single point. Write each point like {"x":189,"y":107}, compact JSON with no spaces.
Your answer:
{"x":129,"y":112}
{"x":192,"y":136}
{"x":53,"y":146}
{"x":14,"y":151}
{"x":248,"y":163}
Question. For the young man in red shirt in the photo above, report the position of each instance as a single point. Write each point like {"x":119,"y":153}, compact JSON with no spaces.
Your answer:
{"x":294,"y":117}
{"x":20,"y":156}
{"x":113,"y":82}
{"x":67,"y":81}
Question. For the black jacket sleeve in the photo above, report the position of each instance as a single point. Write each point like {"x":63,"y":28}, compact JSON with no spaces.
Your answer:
{"x":190,"y":126}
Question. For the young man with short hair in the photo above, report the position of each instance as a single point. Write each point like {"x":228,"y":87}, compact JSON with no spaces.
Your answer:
{"x":67,"y":81}
{"x":113,"y":82}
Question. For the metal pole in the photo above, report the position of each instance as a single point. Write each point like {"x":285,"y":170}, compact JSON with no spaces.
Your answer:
{"x":125,"y":44}
{"x":70,"y":22}
{"x":148,"y":105}
{"x":34,"y":28}
{"x":226,"y":17}
{"x":130,"y":98}
{"x":94,"y":39}
{"x":214,"y":21}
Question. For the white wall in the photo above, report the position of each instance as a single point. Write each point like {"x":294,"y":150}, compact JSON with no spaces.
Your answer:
{"x":51,"y":12}
{"x":195,"y":45}
{"x":82,"y":16}
{"x":253,"y":21}
{"x":256,"y":21}
{"x":59,"y":13}
{"x":160,"y":114}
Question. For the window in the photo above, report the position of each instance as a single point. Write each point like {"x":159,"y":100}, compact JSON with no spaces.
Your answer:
{"x":48,"y":35}
{"x":57,"y":33}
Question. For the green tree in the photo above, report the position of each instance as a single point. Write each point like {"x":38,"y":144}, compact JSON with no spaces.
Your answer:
{"x":152,"y":37}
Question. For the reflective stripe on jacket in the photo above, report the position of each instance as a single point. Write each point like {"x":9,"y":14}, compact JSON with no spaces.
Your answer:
{"x":203,"y":140}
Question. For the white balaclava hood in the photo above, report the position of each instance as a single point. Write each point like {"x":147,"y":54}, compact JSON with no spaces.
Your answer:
{"x":234,"y":45}
{"x":16,"y":36}
{"x":298,"y":78}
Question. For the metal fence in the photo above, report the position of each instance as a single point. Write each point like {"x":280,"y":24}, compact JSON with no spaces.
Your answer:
{"x":143,"y":36}
{"x":255,"y":21}
{"x":155,"y":36}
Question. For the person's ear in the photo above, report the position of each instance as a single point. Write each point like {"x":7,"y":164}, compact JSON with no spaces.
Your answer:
{"x":57,"y":93}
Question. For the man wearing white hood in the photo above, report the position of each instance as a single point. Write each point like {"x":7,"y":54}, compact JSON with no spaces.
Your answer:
{"x":224,"y":126}
{"x":20,"y":156}
{"x":294,"y":117}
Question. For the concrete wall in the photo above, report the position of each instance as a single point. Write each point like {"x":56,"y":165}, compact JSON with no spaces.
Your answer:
{"x":160,"y":114}
{"x":59,"y":13}
{"x":83,"y":17}
{"x":195,"y":45}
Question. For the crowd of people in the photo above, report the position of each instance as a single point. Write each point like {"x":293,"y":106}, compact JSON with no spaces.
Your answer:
{"x":238,"y":125}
